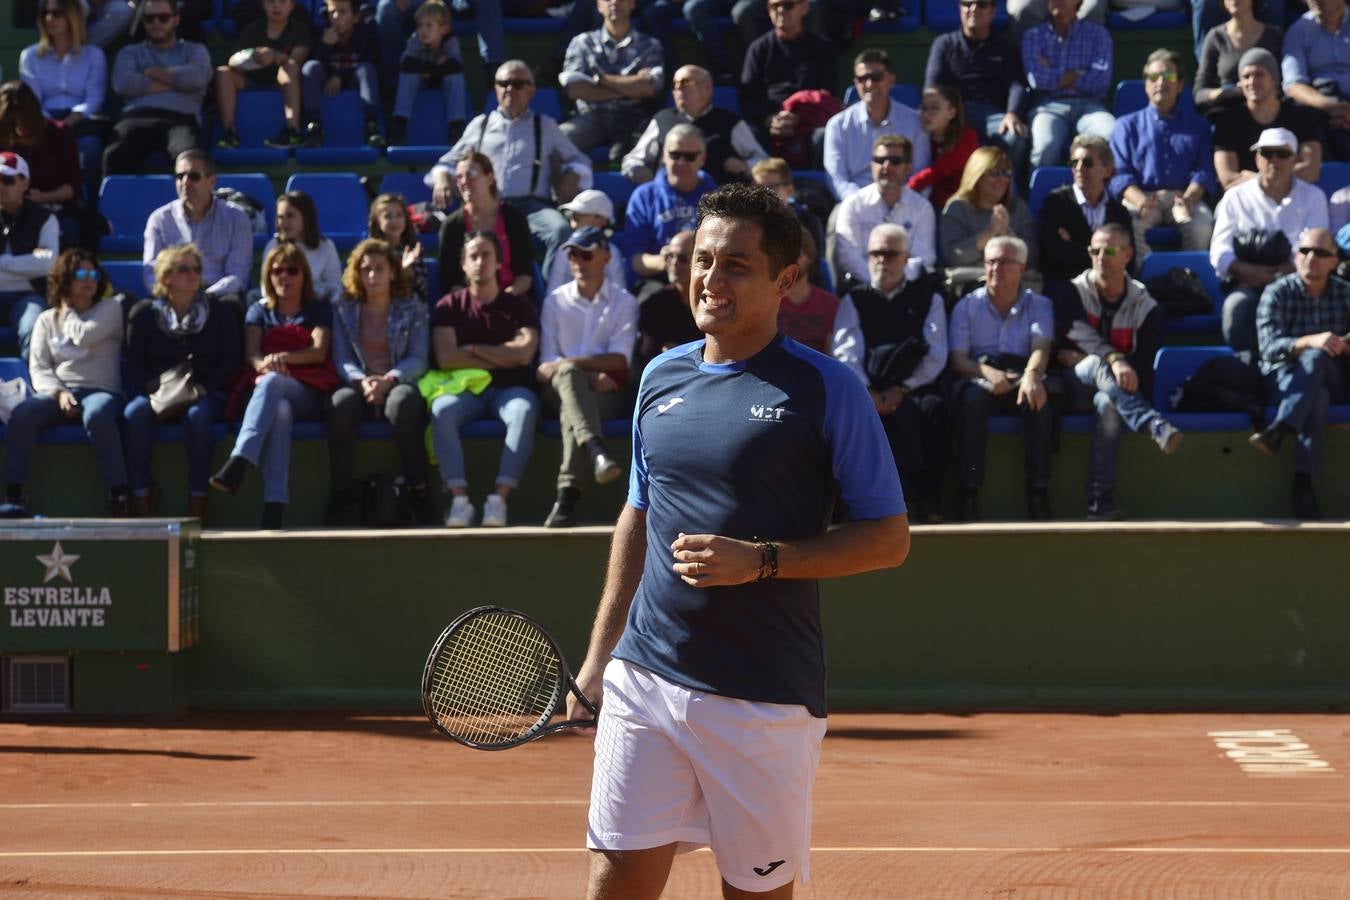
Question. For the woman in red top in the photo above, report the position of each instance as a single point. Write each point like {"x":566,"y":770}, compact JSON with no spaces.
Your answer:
{"x":943,"y":116}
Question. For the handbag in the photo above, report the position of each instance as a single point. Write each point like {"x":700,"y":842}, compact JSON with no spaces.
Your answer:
{"x":176,"y":391}
{"x":1181,"y":293}
{"x":12,"y":393}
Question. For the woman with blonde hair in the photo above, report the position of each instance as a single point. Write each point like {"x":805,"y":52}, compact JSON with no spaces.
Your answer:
{"x":69,"y":75}
{"x":182,"y":347}
{"x":984,"y":207}
{"x":286,"y":342}
{"x":380,"y":345}
{"x":75,"y":365}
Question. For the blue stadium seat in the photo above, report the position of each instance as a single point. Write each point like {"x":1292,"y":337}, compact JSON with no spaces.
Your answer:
{"x":725,"y":96}
{"x":258,"y":117}
{"x":408,"y":185}
{"x":904,"y":92}
{"x":125,"y":276}
{"x":126,"y":201}
{"x":1333,"y":177}
{"x":680,"y":25}
{"x":1161,"y":261}
{"x":547,"y":101}
{"x":618,"y":189}
{"x":1171,"y":367}
{"x":1130,"y":97}
{"x":1043,"y":181}
{"x":426,"y":132}
{"x":12,"y":367}
{"x":820,"y":175}
{"x":344,"y":134}
{"x":258,"y":187}
{"x":945,"y":15}
{"x":342,"y":202}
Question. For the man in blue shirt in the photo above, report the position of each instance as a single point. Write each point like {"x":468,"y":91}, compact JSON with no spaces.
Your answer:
{"x":999,"y":343}
{"x":707,"y":640}
{"x":1316,"y":68}
{"x":1302,"y":324}
{"x":1068,"y":66}
{"x":1165,"y":159}
{"x":850,"y":134}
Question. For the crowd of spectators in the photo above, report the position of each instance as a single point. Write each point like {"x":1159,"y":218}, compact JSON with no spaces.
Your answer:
{"x":923,"y":268}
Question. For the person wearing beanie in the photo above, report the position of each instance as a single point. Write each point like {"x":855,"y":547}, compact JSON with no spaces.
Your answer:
{"x":1263,"y":107}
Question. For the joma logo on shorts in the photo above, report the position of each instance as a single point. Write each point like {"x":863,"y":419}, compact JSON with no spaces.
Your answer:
{"x":767,"y":413}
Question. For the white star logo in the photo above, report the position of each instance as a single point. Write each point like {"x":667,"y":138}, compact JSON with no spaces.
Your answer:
{"x":58,"y":562}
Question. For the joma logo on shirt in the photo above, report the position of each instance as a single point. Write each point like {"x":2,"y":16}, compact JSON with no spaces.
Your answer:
{"x":767,"y":413}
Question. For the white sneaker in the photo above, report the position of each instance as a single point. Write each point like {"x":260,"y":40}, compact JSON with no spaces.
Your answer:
{"x":460,"y":514}
{"x":494,"y":511}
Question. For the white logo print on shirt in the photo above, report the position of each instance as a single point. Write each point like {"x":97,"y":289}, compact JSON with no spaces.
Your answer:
{"x":668,"y":405}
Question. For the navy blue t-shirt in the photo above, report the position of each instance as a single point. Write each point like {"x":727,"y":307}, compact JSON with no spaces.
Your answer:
{"x":318,"y":314}
{"x":758,"y":448}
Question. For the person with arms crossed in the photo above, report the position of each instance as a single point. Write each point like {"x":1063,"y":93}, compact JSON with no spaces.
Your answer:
{"x":707,"y":639}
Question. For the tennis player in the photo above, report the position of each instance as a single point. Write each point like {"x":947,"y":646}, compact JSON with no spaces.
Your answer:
{"x":707,"y":640}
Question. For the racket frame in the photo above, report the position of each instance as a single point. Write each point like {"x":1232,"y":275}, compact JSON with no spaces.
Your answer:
{"x":566,"y":684}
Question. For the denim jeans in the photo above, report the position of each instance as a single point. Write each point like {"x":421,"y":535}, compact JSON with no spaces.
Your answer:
{"x":1114,"y":408}
{"x":21,"y":310}
{"x":454,"y":96}
{"x":363,"y":77}
{"x":265,"y":434}
{"x":1239,"y":317}
{"x":1305,"y":387}
{"x":198,"y":423}
{"x":394,"y":25}
{"x":1055,"y":122}
{"x":516,"y":407}
{"x":985,"y":119}
{"x":100,"y":412}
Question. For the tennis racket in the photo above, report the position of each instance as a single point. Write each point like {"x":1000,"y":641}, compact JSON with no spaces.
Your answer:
{"x":495,"y":678}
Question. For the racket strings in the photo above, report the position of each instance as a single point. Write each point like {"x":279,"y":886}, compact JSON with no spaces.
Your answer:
{"x":495,"y":680}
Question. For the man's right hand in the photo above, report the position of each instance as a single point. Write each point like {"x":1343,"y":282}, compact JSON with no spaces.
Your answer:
{"x":999,"y":383}
{"x":1328,"y":342}
{"x":590,"y":681}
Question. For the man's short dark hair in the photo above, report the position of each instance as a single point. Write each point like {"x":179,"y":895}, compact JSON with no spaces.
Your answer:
{"x":196,"y":155}
{"x":780,"y":231}
{"x":873,"y":55}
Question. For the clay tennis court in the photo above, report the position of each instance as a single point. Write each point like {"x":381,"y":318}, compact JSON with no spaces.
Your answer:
{"x":990,"y":805}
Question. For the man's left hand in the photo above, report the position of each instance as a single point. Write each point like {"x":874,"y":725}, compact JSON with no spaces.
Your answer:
{"x":1030,"y":391}
{"x":1126,"y":376}
{"x":710,"y":560}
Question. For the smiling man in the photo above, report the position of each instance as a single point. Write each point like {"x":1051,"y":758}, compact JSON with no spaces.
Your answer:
{"x":708,"y":641}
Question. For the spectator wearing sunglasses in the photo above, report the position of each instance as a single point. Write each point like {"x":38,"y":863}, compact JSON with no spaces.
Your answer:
{"x":1112,"y":329}
{"x":180,"y":324}
{"x":76,"y":370}
{"x":1249,"y":222}
{"x":1303,"y":325}
{"x":665,"y":205}
{"x":886,"y":199}
{"x":1072,"y":212}
{"x":1165,"y":159}
{"x":986,"y":68}
{"x":69,"y":75}
{"x":533,"y":159}
{"x":162,"y":82}
{"x":1068,"y":66}
{"x":29,"y":241}
{"x":780,"y":63}
{"x":851,"y":134}
{"x":587,"y":331}
{"x":222,"y":234}
{"x":287,"y":335}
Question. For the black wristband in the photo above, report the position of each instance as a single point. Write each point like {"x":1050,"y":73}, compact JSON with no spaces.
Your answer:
{"x":768,"y":559}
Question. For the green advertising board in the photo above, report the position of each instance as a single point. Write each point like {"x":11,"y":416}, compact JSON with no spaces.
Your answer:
{"x":83,"y":585}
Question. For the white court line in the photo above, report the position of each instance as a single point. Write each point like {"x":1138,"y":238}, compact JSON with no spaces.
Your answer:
{"x":262,"y":804}
{"x":466,"y":851}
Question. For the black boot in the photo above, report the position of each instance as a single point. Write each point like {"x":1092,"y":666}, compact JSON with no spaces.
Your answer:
{"x":119,"y":503}
{"x":419,"y":505}
{"x":1038,"y":504}
{"x":272,"y":514}
{"x":231,"y":475}
{"x":564,"y":512}
{"x":1305,"y":501}
{"x":344,"y":506}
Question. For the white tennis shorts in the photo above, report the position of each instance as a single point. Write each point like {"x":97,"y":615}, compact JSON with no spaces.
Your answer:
{"x":674,"y":765}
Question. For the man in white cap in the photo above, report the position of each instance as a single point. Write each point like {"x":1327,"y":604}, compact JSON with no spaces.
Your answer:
{"x":1276,"y":204}
{"x":531,"y":157}
{"x":29,"y":242}
{"x":589,"y":208}
{"x":586,"y":335}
